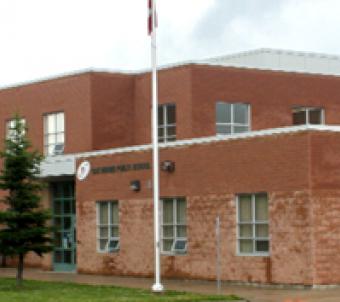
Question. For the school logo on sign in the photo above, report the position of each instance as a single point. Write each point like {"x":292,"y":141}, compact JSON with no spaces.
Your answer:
{"x":83,"y":170}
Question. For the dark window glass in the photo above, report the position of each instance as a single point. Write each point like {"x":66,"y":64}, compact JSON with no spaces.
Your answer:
{"x":160,"y":116}
{"x":315,"y":116}
{"x":223,"y":113}
{"x":67,"y":223}
{"x":240,"y":129}
{"x":222,"y":129}
{"x":240,"y":114}
{"x":58,"y":257}
{"x":304,"y":116}
{"x":67,"y":257}
{"x":57,"y":239}
{"x":299,"y":118}
{"x":262,"y":246}
{"x":171,"y":114}
{"x":166,"y":122}
{"x":171,"y":130}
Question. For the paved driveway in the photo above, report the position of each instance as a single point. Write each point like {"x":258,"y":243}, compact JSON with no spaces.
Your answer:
{"x":250,"y":293}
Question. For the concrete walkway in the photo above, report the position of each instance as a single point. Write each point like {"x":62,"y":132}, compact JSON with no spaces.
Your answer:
{"x":250,"y":293}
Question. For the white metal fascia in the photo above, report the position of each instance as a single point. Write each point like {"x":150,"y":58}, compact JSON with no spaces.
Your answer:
{"x":65,"y":165}
{"x":212,"y":139}
{"x":56,"y":166}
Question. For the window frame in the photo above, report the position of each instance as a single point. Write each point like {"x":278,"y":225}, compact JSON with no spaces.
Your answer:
{"x":232,"y":123}
{"x":165,"y":126}
{"x":253,"y":224}
{"x":109,"y":226}
{"x":306,"y":110}
{"x":46,"y":135}
{"x":175,"y":225}
{"x":8,"y":126}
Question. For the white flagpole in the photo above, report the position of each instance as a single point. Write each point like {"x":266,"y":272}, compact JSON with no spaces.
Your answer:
{"x":157,"y":286}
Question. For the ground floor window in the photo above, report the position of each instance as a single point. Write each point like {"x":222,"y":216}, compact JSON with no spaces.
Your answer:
{"x":107,"y":226}
{"x":253,"y":226}
{"x":174,"y":228}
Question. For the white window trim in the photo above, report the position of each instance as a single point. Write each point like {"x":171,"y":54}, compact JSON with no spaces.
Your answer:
{"x":253,"y":223}
{"x":46,"y":134}
{"x":232,"y":124}
{"x":165,"y":138}
{"x":175,"y":225}
{"x":306,"y":111}
{"x":109,"y":226}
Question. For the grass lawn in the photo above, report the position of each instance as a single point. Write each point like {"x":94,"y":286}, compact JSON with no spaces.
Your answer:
{"x":38,"y":291}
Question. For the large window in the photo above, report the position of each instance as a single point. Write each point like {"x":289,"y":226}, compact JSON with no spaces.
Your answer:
{"x":166,"y":123}
{"x":174,"y":228}
{"x":308,"y":116}
{"x":54,"y":133}
{"x":107,"y":226}
{"x":10,"y":128}
{"x":232,"y":118}
{"x":253,"y":226}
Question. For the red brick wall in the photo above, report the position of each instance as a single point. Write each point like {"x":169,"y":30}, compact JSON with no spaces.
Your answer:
{"x":106,"y":110}
{"x":325,"y":180}
{"x":209,"y":176}
{"x":271,"y":95}
{"x":69,"y":94}
{"x":112,"y":110}
{"x":174,"y":87}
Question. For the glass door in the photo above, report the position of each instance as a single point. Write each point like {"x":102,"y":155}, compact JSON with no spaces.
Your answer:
{"x":64,"y":221}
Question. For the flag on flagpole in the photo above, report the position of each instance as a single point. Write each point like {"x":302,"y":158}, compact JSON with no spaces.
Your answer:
{"x":151,"y":15}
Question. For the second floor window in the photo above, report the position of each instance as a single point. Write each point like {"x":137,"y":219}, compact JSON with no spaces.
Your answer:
{"x":10,"y":128}
{"x":308,"y":116}
{"x":166,"y":123}
{"x":232,"y":118}
{"x":54,"y":133}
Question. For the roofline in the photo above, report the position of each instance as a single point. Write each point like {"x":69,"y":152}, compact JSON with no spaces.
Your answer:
{"x":200,"y":141}
{"x":277,"y":51}
{"x":65,"y":165}
{"x":202,"y":62}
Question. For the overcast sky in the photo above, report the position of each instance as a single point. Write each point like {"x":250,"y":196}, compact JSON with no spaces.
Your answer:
{"x":42,"y":38}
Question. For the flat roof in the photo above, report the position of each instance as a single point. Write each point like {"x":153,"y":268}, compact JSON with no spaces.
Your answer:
{"x":262,"y":59}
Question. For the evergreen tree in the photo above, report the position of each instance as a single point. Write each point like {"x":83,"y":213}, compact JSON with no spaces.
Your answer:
{"x":23,"y":221}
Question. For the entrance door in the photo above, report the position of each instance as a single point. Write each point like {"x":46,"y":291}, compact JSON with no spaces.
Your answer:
{"x":64,"y":221}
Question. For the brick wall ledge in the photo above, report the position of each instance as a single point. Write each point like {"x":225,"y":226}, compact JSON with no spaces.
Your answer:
{"x":64,"y":165}
{"x":209,"y":139}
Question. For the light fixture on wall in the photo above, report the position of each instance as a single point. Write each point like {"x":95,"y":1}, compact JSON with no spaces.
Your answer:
{"x":135,"y":185}
{"x":168,"y":166}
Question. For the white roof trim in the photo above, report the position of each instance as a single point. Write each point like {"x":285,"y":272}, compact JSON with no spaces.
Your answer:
{"x":211,"y":139}
{"x":213,"y":61}
{"x":274,"y":51}
{"x":65,"y":165}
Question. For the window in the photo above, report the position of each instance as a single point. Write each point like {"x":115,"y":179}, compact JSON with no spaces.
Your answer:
{"x":308,"y":116}
{"x":253,"y":227}
{"x":166,"y":123}
{"x":174,"y":228}
{"x":232,"y":118}
{"x":107,"y":226}
{"x":10,"y":128}
{"x":54,"y":135}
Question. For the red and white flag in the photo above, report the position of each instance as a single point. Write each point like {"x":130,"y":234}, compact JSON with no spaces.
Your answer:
{"x":151,"y":15}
